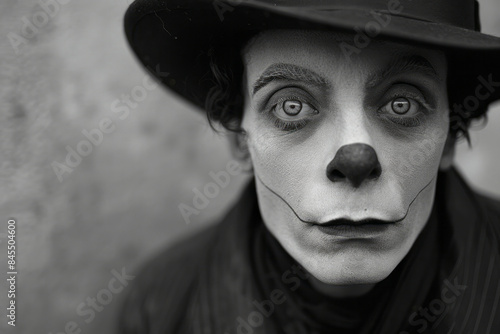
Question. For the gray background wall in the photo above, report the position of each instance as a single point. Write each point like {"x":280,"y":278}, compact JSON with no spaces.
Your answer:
{"x":120,"y":204}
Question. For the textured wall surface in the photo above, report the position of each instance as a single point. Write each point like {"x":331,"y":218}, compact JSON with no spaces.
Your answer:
{"x":119,"y":204}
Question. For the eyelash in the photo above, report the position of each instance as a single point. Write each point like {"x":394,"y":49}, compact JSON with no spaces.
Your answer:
{"x":408,"y":121}
{"x":288,"y":126}
{"x":291,"y":126}
{"x":412,"y":95}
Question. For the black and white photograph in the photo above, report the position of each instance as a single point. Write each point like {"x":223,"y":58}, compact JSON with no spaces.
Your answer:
{"x":250,"y":166}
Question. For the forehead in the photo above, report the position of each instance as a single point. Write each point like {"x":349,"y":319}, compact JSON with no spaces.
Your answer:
{"x":333,"y":54}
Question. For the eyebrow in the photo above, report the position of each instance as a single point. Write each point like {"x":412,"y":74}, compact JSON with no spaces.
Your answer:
{"x":288,"y":72}
{"x":405,"y":64}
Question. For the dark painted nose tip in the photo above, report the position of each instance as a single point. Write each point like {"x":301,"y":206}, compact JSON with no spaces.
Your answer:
{"x":355,"y":163}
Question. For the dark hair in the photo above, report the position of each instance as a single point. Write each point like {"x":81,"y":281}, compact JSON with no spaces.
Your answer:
{"x":224,"y":103}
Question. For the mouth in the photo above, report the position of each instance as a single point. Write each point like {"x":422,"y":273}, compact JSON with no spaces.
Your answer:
{"x":357,"y":229}
{"x":348,"y":222}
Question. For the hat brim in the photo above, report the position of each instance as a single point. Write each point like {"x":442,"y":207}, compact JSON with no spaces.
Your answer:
{"x":172,"y":39}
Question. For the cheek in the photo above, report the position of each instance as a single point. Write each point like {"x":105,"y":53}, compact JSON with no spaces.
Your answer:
{"x":287,"y":163}
{"x":276,"y":156}
{"x":414,"y":160}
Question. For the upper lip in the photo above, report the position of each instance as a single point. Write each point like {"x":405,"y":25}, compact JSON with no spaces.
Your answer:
{"x":343,"y":221}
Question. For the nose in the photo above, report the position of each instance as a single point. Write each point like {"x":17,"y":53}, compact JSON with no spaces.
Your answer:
{"x":354,"y":163}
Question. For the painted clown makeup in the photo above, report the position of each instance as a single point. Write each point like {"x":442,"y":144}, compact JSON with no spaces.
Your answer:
{"x":333,"y":140}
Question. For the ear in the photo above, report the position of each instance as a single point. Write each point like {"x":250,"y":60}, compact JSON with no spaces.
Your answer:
{"x":448,"y":153}
{"x":239,"y":148}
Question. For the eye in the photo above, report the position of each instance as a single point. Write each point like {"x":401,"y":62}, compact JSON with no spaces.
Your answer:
{"x":404,"y":111}
{"x":401,"y":106}
{"x":293,"y":109}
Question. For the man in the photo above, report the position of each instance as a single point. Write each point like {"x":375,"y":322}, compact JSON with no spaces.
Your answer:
{"x":348,"y":113}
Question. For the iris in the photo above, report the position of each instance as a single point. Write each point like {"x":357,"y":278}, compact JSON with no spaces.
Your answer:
{"x":401,"y":105}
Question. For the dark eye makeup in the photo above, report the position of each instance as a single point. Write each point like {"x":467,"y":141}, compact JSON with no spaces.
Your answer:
{"x":405,"y":105}
{"x":290,"y":109}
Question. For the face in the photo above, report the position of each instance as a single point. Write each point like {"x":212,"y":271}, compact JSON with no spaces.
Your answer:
{"x":345,"y":150}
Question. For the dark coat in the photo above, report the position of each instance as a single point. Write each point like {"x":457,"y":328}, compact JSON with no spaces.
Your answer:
{"x":206,"y":283}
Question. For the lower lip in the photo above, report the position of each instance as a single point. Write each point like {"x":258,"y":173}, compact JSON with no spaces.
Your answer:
{"x":355,"y":231}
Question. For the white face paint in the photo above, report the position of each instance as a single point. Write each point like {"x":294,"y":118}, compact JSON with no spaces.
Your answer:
{"x":315,"y":101}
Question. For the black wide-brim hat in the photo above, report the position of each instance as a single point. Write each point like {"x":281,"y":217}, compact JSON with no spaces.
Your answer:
{"x":173,"y":38}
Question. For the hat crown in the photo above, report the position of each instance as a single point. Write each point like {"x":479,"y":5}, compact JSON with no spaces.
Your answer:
{"x":174,"y":39}
{"x":459,"y":13}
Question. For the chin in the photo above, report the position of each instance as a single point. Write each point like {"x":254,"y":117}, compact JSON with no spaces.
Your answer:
{"x":352,"y":262}
{"x":348,"y":271}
